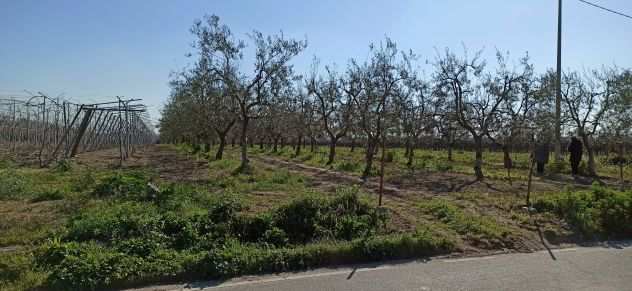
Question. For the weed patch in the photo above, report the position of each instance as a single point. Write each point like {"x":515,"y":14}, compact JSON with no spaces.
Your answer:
{"x":482,"y":231}
{"x":597,"y":212}
{"x":49,"y":195}
{"x":12,"y":184}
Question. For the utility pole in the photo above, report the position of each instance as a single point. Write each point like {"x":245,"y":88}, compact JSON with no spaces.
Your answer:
{"x":558,"y":87}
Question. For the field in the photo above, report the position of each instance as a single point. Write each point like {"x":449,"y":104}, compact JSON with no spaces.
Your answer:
{"x":87,"y":224}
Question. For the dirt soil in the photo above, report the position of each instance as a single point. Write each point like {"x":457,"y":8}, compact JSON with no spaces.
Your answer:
{"x":492,"y":198}
{"x":401,"y":197}
{"x":161,"y":159}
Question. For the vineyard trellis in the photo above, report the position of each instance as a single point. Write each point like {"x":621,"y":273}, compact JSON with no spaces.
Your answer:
{"x":46,"y":129}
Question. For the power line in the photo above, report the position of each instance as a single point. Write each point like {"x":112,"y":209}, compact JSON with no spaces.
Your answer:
{"x":607,"y":9}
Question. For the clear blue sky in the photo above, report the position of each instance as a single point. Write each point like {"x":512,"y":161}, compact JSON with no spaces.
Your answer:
{"x":89,"y":50}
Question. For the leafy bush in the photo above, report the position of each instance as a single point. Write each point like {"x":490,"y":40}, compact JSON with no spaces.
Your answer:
{"x":48,"y":195}
{"x":89,"y":266}
{"x":131,"y":186}
{"x":182,"y":231}
{"x":402,"y":246}
{"x":275,"y":236}
{"x":236,"y":258}
{"x":252,"y":228}
{"x":600,"y":211}
{"x":109,"y":222}
{"x":344,"y":217}
{"x":118,"y":242}
{"x":63,"y":166}
{"x":17,"y":272}
{"x":299,"y":219}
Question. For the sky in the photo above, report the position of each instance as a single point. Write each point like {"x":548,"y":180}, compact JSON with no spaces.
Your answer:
{"x":87,"y":50}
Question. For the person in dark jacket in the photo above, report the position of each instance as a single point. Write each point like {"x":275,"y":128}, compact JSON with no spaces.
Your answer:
{"x":575,"y":148}
{"x":541,"y":156}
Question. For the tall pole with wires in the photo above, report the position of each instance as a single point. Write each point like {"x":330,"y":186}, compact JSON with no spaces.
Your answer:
{"x":558,"y":87}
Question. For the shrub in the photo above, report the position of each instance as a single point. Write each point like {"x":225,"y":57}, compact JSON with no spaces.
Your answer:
{"x":252,"y":228}
{"x":63,"y":166}
{"x":182,"y":231}
{"x":600,"y":211}
{"x":299,"y":219}
{"x":110,"y":222}
{"x":275,"y":236}
{"x":17,"y":272}
{"x":236,"y":259}
{"x":48,"y":195}
{"x":121,"y":242}
{"x":132,"y":186}
{"x":343,"y":217}
{"x":401,"y":246}
{"x":350,"y":218}
{"x":13,"y":267}
{"x":224,"y":209}
{"x":89,"y":266}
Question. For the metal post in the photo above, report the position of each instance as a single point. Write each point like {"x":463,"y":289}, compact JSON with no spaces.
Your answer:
{"x":558,"y":89}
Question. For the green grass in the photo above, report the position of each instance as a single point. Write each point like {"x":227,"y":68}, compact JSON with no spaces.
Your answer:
{"x":17,"y":271}
{"x":483,"y":230}
{"x":80,"y":228}
{"x":122,"y":240}
{"x":430,"y":161}
{"x":596,"y":213}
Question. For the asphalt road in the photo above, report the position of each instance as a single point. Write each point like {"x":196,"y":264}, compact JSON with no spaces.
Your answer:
{"x":582,"y":268}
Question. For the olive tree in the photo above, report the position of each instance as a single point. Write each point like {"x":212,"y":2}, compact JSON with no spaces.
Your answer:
{"x":372,"y":87}
{"x":250,"y":92}
{"x":332,"y":106}
{"x":478,"y":97}
{"x":587,"y":98}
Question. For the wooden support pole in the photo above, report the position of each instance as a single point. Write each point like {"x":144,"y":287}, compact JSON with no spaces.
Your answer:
{"x":63,"y":139}
{"x":82,"y":129}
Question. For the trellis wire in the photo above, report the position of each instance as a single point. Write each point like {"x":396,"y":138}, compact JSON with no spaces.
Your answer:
{"x":48,"y":129}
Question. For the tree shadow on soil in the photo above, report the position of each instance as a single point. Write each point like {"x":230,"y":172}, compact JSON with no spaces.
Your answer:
{"x":544,"y":241}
